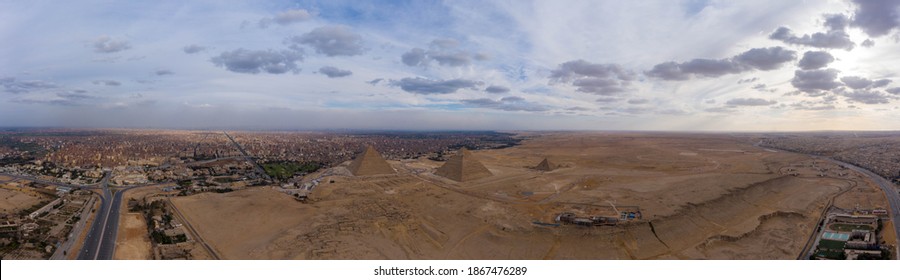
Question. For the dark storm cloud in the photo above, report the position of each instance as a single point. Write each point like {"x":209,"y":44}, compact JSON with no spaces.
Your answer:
{"x":12,"y":85}
{"x":331,"y":40}
{"x":285,"y":18}
{"x":815,"y":80}
{"x":830,"y":40}
{"x":758,"y":58}
{"x":426,"y":86}
{"x":192,"y":49}
{"x":601,"y":79}
{"x":877,"y":17}
{"x":509,"y":103}
{"x":164,"y":72}
{"x":866,"y":96}
{"x":253,"y":62}
{"x":105,"y":44}
{"x":496,"y":89}
{"x":444,"y":51}
{"x":815,"y":60}
{"x":107,"y":82}
{"x":749,"y":102}
{"x":333,"y":72}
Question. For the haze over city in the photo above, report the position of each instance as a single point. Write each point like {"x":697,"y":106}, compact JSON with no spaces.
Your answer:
{"x":663,"y":65}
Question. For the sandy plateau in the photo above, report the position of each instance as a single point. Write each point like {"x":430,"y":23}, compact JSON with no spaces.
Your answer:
{"x":703,"y":196}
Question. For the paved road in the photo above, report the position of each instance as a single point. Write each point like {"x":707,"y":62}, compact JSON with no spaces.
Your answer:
{"x":42,"y":181}
{"x":93,"y":242}
{"x":63,"y":251}
{"x":889,"y":191}
{"x":258,"y":168}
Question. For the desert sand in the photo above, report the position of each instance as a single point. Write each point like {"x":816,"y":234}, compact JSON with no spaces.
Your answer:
{"x":702,"y":196}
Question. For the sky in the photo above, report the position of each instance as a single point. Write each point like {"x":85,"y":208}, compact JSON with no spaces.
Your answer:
{"x":698,"y":65}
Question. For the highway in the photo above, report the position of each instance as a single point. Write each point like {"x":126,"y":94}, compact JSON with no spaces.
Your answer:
{"x":887,"y":187}
{"x":93,"y":242}
{"x":100,"y":243}
{"x":889,"y":191}
{"x":258,"y":168}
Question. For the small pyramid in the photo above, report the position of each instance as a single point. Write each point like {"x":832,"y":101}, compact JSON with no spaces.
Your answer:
{"x":463,"y":167}
{"x":545,"y":165}
{"x":370,"y":162}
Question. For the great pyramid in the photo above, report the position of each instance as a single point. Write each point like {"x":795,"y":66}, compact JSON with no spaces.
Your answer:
{"x":545,"y":165}
{"x":370,"y":162}
{"x":463,"y":167}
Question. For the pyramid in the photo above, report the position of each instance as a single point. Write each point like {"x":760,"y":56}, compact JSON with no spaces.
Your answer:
{"x":370,"y":162}
{"x":545,"y":165}
{"x":463,"y":167}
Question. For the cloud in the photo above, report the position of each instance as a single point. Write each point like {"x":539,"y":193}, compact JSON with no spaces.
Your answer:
{"x":333,"y":72}
{"x":868,"y":43}
{"x":414,"y":57}
{"x":835,"y":37}
{"x":722,"y":109}
{"x":675,"y":112}
{"x":107,"y":83}
{"x":164,"y":72}
{"x":12,"y":85}
{"x":192,"y":49}
{"x":830,"y":40}
{"x":375,"y":81}
{"x":766,"y":58}
{"x":881,"y":83}
{"x":812,"y":81}
{"x":834,"y":22}
{"x":749,"y":102}
{"x":856,"y":82}
{"x":866,"y":96}
{"x":607,"y":99}
{"x":285,"y":18}
{"x":445,"y":52}
{"x":509,"y":103}
{"x":496,"y":89}
{"x":253,"y":62}
{"x":895,"y":90}
{"x":601,"y":79}
{"x":815,"y":60}
{"x":105,"y":44}
{"x":876,"y":17}
{"x":64,"y":98}
{"x":749,"y":80}
{"x":758,"y":58}
{"x":812,"y":106}
{"x":638,"y":101}
{"x":426,"y":86}
{"x":331,"y":40}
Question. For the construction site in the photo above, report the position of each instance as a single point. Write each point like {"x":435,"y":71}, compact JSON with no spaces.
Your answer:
{"x":556,"y":196}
